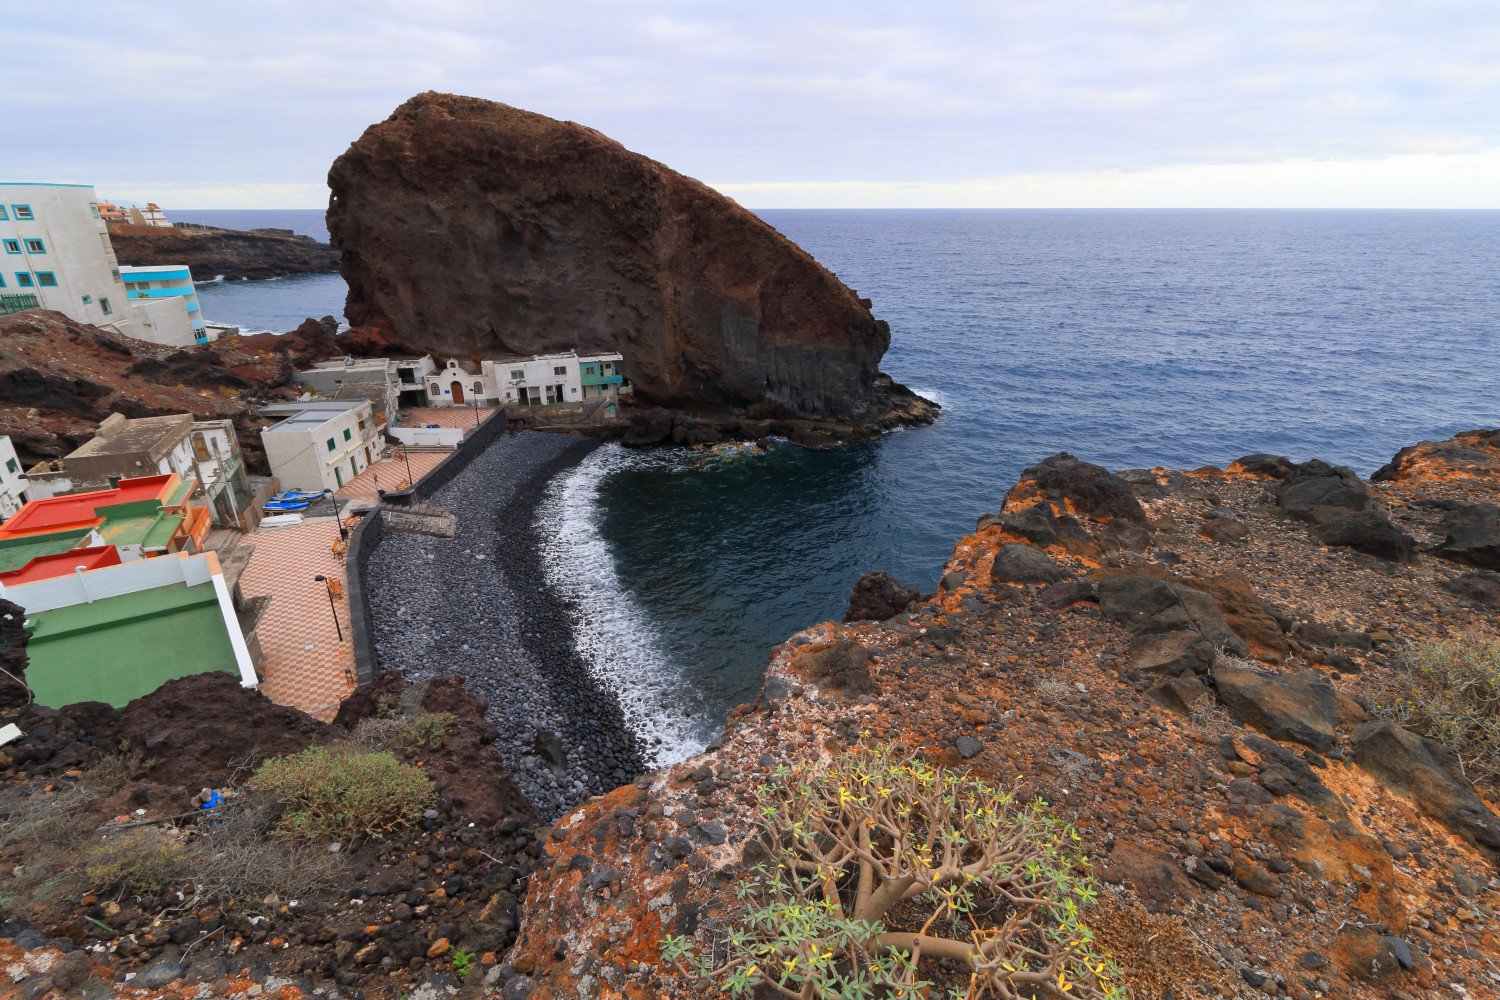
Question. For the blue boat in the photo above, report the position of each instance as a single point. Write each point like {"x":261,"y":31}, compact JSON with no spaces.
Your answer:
{"x":296,"y":496}
{"x":286,"y":506}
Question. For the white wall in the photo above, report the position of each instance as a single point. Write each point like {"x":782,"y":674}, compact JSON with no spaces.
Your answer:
{"x":12,"y":486}
{"x":439,"y":437}
{"x":162,"y":321}
{"x":300,"y":458}
{"x":78,"y":253}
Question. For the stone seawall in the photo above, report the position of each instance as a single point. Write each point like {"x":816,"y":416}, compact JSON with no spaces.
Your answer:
{"x":478,"y":605}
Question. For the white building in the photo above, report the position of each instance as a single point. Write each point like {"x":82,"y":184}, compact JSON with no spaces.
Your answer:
{"x":54,"y":246}
{"x":555,"y":378}
{"x":166,"y":296}
{"x":13,"y":482}
{"x":55,"y":254}
{"x":320,"y":443}
{"x":399,"y":381}
{"x":455,"y":385}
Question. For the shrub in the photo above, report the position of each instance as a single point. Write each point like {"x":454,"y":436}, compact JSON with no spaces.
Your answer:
{"x":136,"y":862}
{"x":330,"y":793}
{"x":884,"y":872}
{"x":1450,"y":692}
{"x":232,"y":857}
{"x":425,"y":732}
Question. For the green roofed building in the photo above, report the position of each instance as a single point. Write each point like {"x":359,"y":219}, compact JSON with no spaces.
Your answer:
{"x":119,"y":632}
{"x":17,"y":552}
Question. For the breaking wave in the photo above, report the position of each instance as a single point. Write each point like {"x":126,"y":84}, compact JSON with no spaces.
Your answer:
{"x":613,"y":632}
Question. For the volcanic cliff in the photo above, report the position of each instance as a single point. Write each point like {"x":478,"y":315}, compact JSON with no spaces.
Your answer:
{"x":211,"y":252}
{"x":469,"y":228}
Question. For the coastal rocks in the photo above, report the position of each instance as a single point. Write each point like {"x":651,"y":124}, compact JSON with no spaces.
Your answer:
{"x":233,"y":254}
{"x":1370,"y":532}
{"x":1070,"y":486}
{"x":1249,"y":616}
{"x":843,"y":667}
{"x":1473,"y":536}
{"x":1302,"y":707}
{"x":1150,"y":606}
{"x":469,"y":227}
{"x":1261,"y":466}
{"x":1316,"y":493}
{"x":1024,"y":564}
{"x":1469,"y":458}
{"x":878,"y":597}
{"x":1427,"y":774}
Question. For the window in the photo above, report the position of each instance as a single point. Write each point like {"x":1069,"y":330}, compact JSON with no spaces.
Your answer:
{"x":87,"y":299}
{"x":3,"y":216}
{"x":330,"y":445}
{"x":23,"y":279}
{"x":200,"y":448}
{"x":46,"y":279}
{"x":2,"y":281}
{"x":23,"y":212}
{"x":478,"y":388}
{"x":104,"y":305}
{"x":517,"y":374}
{"x":559,"y":370}
{"x":12,"y":246}
{"x":95,"y":210}
{"x":35,"y":246}
{"x":10,"y":465}
{"x":348,"y":434}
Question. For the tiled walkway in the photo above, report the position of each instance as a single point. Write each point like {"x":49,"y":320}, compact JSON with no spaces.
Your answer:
{"x":306,"y":665}
{"x":389,"y":474}
{"x":444,"y":416}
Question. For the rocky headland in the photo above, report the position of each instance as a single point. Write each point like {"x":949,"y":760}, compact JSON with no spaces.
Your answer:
{"x":1194,"y":669}
{"x":469,"y":228}
{"x":232,"y":254}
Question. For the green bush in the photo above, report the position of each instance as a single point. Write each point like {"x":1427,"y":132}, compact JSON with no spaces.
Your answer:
{"x":331,"y":792}
{"x":136,"y":862}
{"x":1450,"y":692}
{"x":888,"y":877}
{"x":425,"y":732}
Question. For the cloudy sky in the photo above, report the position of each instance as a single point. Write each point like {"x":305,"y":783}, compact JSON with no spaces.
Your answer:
{"x":789,"y":104}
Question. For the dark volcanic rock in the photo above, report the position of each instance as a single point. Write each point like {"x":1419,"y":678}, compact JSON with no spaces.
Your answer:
{"x":877,"y":597}
{"x":1482,"y":588}
{"x":1302,"y":707}
{"x":1473,"y":536}
{"x":1370,"y":532}
{"x":1425,"y":772}
{"x":1025,"y":564}
{"x":469,"y":228}
{"x":843,"y":666}
{"x":1077,"y":487}
{"x":209,"y":252}
{"x":13,"y":638}
{"x":1146,"y":605}
{"x":1470,"y":455}
{"x":1270,"y":466}
{"x":1316,"y":492}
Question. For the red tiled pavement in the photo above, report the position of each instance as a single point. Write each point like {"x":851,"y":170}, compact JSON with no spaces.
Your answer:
{"x":306,"y":665}
{"x":389,"y":474}
{"x":444,"y":416}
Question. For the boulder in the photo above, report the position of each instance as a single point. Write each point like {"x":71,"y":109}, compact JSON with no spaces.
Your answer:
{"x":1148,"y":605}
{"x":1178,"y":694}
{"x":470,"y":228}
{"x":1172,"y":653}
{"x":1473,"y":536}
{"x":1315,"y":492}
{"x":1077,"y":487}
{"x":1370,"y":532}
{"x":1302,"y":707}
{"x":1024,"y":564}
{"x":1470,"y":455}
{"x":1426,"y":773}
{"x":878,"y":597}
{"x":1262,"y":465}
{"x":1062,"y":595}
{"x":1248,"y":615}
{"x":1482,"y":588}
{"x":843,"y":667}
{"x":1224,"y":529}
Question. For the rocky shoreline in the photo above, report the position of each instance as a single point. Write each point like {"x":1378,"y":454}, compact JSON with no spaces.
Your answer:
{"x":233,"y":254}
{"x":479,"y":605}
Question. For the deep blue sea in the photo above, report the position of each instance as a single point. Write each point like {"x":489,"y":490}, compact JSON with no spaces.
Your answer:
{"x":1131,"y":338}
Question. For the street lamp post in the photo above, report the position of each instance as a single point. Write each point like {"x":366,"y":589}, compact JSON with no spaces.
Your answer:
{"x":343,"y":531}
{"x":333,"y":608}
{"x":410,"y":479}
{"x":476,"y":411}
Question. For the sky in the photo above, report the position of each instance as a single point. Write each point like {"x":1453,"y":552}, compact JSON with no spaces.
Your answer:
{"x":991,"y":103}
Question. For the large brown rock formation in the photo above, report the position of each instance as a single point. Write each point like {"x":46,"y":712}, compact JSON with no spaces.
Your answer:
{"x":470,"y":228}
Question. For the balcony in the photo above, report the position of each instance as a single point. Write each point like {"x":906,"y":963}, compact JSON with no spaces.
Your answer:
{"x":602,"y":379}
{"x":18,"y":303}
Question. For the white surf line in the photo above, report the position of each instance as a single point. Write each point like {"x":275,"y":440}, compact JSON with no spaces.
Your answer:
{"x":613,"y":633}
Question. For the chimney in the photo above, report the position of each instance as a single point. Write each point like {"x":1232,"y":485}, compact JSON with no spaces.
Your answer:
{"x":114,"y":481}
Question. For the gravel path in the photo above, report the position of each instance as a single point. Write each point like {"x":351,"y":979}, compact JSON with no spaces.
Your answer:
{"x":478,"y":605}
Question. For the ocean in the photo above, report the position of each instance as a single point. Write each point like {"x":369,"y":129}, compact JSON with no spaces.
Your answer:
{"x":1130,"y":338}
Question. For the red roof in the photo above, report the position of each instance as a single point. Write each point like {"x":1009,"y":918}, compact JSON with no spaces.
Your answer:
{"x":77,"y":510}
{"x":61,"y":564}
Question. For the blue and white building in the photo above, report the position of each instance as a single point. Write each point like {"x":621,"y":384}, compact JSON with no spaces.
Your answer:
{"x":55,"y":254}
{"x":167,"y":281}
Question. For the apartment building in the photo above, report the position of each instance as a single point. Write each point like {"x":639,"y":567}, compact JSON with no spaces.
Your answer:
{"x":320,"y":443}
